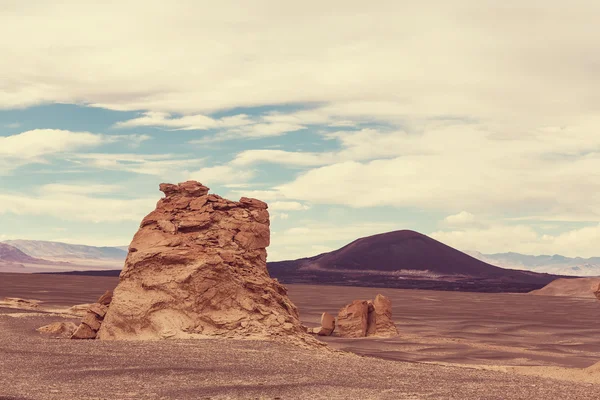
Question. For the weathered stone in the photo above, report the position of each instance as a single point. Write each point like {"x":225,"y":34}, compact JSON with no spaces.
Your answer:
{"x":352,"y":319}
{"x":253,"y":203}
{"x":384,"y":325}
{"x":106,"y":298}
{"x":92,"y":320}
{"x":214,"y":282}
{"x":327,"y":324}
{"x":98,"y":309}
{"x":58,"y":329}
{"x":597,"y":292}
{"x":84,"y":332}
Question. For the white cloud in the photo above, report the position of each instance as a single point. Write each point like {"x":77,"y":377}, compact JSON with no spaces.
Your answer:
{"x":222,"y":174}
{"x":461,"y":219}
{"x":41,"y":145}
{"x":311,"y":238}
{"x":13,"y":125}
{"x":384,"y":61}
{"x":77,"y":204}
{"x":187,"y":122}
{"x":499,"y":238}
{"x":170,"y":166}
{"x":288,"y":206}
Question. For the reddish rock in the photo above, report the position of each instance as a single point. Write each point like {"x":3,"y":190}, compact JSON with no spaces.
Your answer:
{"x":106,"y":298}
{"x":382,"y":318}
{"x":84,"y":332}
{"x":367,"y":318}
{"x":352,"y":319}
{"x":597,"y":292}
{"x":58,"y":329}
{"x":92,"y":320}
{"x":327,"y":324}
{"x":207,"y":276}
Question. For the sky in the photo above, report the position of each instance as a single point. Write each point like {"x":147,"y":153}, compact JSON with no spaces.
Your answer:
{"x":476,"y":122}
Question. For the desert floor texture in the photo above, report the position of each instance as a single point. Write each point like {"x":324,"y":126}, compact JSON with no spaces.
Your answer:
{"x":452,"y":346}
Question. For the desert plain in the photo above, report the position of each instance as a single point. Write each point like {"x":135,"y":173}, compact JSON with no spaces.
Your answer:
{"x":452,"y":345}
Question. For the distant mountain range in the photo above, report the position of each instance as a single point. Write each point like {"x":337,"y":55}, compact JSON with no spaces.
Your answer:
{"x":555,"y":264}
{"x":404,"y":258}
{"x":55,"y":250}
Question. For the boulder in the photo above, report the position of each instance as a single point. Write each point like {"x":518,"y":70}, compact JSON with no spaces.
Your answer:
{"x":84,"y":332}
{"x":380,"y":319}
{"x":352,"y":319}
{"x":93,"y":318}
{"x":597,"y":292}
{"x":327,"y":324}
{"x":197,"y":268}
{"x":58,"y":329}
{"x":366,"y":318}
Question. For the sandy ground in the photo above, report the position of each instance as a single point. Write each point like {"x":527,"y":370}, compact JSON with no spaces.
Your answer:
{"x":493,"y":346}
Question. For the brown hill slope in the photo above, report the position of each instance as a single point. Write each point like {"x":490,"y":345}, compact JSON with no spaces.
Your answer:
{"x":406,"y":259}
{"x":580,"y":287}
{"x":10,"y":254}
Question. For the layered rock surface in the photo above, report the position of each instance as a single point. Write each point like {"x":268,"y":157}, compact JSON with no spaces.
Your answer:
{"x":93,"y":318}
{"x":197,"y":268}
{"x":363,"y":318}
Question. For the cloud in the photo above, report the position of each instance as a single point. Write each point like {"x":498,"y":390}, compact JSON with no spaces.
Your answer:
{"x":480,"y":60}
{"x":13,"y":125}
{"x":222,"y":174}
{"x":161,"y":165}
{"x":288,"y":206}
{"x":312,"y":237}
{"x":187,"y":122}
{"x":460,"y":219}
{"x":70,"y":202}
{"x":39,"y":146}
{"x":524,"y":239}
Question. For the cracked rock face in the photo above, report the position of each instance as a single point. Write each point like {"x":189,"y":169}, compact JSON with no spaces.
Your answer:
{"x":363,"y":318}
{"x":197,"y":268}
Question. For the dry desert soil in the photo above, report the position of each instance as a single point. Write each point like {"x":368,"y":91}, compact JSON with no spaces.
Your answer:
{"x":452,"y":346}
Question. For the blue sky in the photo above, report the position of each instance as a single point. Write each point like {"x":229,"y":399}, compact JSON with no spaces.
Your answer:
{"x":476,"y":124}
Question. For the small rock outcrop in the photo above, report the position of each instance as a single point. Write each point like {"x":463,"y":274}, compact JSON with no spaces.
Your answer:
{"x":597,"y":292}
{"x":352,"y":320}
{"x":197,"y":268}
{"x":58,"y":329}
{"x":327,"y":325}
{"x":380,"y":319}
{"x":363,"y":318}
{"x":93,"y":318}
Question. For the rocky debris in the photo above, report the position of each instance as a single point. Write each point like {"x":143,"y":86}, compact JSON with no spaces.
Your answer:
{"x":597,"y":292}
{"x":93,"y":318}
{"x":197,"y":268}
{"x":58,"y":329}
{"x":79,"y":309}
{"x":363,"y":318}
{"x":16,"y":302}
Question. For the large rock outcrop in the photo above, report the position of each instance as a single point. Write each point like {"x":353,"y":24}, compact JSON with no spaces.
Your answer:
{"x":363,"y":318}
{"x":197,"y":268}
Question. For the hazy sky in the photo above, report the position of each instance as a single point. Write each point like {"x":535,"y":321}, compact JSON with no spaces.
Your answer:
{"x":474,"y":121}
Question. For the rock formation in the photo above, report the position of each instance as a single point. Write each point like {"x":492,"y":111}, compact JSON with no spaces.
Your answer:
{"x":597,"y":292}
{"x":93,"y":318}
{"x":197,"y":268}
{"x":352,"y":320}
{"x":381,"y":318}
{"x":363,"y":318}
{"x":327,"y":325}
{"x":58,"y":329}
